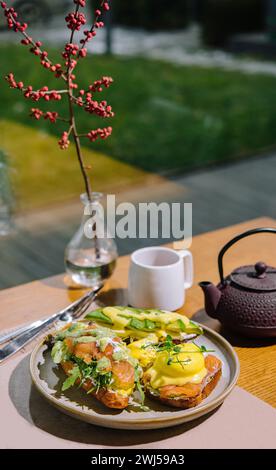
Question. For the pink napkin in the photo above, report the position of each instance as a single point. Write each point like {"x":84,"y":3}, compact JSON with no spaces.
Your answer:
{"x":28,"y":421}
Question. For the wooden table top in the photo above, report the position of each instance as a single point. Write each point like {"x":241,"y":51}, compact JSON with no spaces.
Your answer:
{"x":257,"y":357}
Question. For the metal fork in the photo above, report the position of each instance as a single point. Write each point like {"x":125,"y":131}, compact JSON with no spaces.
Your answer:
{"x":73,"y":311}
{"x":79,"y":305}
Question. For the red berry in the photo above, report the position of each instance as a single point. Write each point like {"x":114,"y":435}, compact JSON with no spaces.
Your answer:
{"x":83,"y":52}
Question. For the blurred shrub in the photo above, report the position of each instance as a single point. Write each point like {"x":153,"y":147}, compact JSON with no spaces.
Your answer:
{"x":6,"y":196}
{"x":151,"y":14}
{"x":222,"y":18}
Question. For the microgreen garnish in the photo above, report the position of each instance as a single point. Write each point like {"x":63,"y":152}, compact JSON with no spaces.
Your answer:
{"x":96,"y":371}
{"x":166,"y":345}
{"x":175,"y":349}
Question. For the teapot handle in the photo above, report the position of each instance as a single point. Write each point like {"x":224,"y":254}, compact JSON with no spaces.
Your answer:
{"x":233,"y":241}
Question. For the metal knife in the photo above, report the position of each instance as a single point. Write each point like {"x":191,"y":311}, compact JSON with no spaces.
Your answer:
{"x":23,"y":339}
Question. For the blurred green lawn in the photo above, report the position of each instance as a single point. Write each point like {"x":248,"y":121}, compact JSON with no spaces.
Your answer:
{"x":167,"y":117}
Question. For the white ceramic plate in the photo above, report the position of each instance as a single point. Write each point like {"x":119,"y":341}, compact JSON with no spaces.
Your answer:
{"x":48,"y":379}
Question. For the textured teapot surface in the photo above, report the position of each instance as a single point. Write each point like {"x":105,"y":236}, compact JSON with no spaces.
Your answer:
{"x":246,"y":299}
{"x":238,"y":306}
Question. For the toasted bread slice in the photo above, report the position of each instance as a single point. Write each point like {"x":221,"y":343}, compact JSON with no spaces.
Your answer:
{"x":188,"y":395}
{"x":122,"y":370}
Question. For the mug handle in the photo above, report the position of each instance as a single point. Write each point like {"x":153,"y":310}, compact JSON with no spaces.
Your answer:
{"x":188,"y":267}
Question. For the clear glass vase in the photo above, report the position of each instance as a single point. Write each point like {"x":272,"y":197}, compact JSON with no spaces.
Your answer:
{"x":90,"y":256}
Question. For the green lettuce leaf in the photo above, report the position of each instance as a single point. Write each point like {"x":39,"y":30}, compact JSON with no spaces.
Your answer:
{"x":59,"y":352}
{"x":75,"y":374}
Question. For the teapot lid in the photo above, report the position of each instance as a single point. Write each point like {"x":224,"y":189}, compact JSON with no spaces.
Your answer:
{"x":259,"y":277}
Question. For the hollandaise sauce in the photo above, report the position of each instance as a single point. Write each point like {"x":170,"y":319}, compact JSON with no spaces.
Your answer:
{"x":138,"y":323}
{"x":178,"y":368}
{"x":143,"y":350}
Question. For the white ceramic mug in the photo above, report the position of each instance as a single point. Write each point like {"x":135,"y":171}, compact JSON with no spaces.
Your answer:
{"x":158,"y":277}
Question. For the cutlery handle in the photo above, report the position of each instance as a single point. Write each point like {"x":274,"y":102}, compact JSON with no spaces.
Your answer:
{"x":30,"y":326}
{"x":23,"y":339}
{"x":37,"y":327}
{"x":18,"y":331}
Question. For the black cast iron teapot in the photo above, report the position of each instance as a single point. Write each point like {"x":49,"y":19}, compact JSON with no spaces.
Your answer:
{"x":244,"y":301}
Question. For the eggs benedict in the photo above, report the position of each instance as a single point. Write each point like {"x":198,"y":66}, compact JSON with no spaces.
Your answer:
{"x":182,"y":375}
{"x":144,"y":350}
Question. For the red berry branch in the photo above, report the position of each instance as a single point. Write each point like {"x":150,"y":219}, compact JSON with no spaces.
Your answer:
{"x":72,"y":52}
